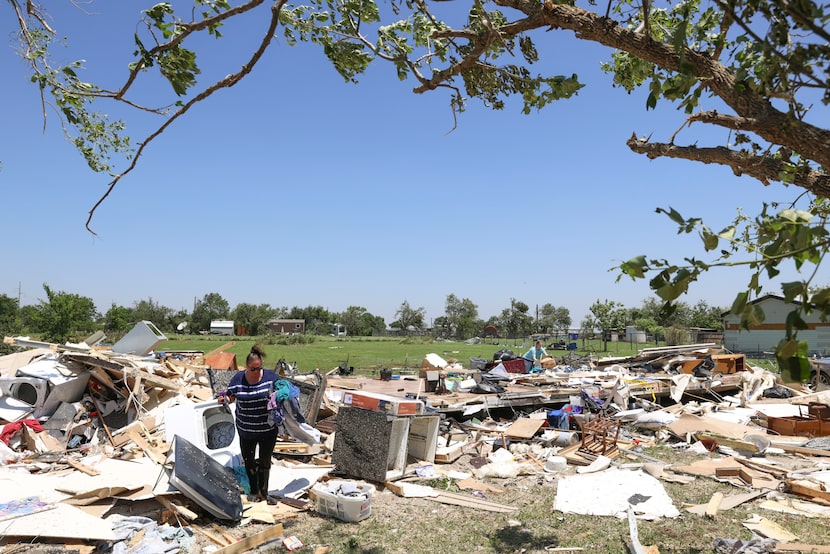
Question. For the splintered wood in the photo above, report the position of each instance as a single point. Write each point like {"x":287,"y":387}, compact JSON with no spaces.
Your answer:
{"x":599,"y":437}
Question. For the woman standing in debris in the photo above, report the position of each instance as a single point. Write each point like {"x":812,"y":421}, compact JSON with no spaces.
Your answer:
{"x":250,"y":389}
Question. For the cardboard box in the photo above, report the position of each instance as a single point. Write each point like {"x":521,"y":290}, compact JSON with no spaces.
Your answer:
{"x":392,"y":405}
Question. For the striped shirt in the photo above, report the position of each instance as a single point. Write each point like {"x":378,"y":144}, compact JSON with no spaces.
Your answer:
{"x":252,"y":403}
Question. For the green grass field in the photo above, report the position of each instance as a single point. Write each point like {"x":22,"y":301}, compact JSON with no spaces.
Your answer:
{"x":369,"y":354}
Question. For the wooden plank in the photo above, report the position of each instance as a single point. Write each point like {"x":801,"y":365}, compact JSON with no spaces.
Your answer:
{"x":253,"y":541}
{"x":800,"y":449}
{"x":470,"y":502}
{"x":221,"y":541}
{"x":396,"y":489}
{"x":150,"y":379}
{"x":524,"y":428}
{"x":189,"y":515}
{"x":714,"y":504}
{"x":298,"y":446}
{"x":82,"y":468}
{"x":228,"y":537}
{"x":803,"y":490}
{"x":723,"y":440}
{"x":148,"y":449}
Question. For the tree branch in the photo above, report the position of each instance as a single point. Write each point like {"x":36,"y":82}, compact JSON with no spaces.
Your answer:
{"x":763,"y":168}
{"x":228,"y":81}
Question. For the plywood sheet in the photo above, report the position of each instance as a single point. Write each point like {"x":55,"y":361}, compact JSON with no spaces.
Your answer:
{"x":688,"y":423}
{"x":524,"y":428}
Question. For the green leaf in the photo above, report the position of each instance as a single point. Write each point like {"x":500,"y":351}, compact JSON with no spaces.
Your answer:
{"x":710,"y":240}
{"x":739,"y":303}
{"x":793,"y":290}
{"x":634,"y":267}
{"x":673,"y":214}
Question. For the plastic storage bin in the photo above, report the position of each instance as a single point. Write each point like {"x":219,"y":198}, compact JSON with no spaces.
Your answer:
{"x":346,"y":500}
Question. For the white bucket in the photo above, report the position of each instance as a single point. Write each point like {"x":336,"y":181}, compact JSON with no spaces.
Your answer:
{"x":555,"y":464}
{"x":346,"y":500}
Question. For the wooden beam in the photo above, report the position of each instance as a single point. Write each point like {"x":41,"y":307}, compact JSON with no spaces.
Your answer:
{"x":253,"y":541}
{"x":186,"y":513}
{"x":800,"y":449}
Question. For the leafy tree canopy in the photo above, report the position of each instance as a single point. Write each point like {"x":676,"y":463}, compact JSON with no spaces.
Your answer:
{"x":151,"y":310}
{"x":254,"y":318}
{"x":359,"y":322}
{"x":409,"y":318}
{"x":515,"y":321}
{"x":63,"y":316}
{"x":118,"y":320}
{"x":554,"y":319}
{"x":754,"y":71}
{"x":461,"y":317}
{"x":606,"y":316}
{"x":212,"y":306}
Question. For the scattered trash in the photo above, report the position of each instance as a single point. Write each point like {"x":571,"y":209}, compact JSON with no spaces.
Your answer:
{"x":581,"y":423}
{"x":345,"y":500}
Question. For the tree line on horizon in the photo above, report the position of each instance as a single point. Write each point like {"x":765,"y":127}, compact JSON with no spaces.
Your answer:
{"x":64,"y":316}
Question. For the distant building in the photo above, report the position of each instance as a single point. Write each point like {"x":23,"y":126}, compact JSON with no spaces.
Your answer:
{"x":286,"y":326}
{"x":221,"y":327}
{"x":338,"y":330}
{"x":699,"y":335}
{"x":766,"y":336}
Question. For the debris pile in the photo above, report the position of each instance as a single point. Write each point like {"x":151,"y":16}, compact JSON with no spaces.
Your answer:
{"x":91,"y":436}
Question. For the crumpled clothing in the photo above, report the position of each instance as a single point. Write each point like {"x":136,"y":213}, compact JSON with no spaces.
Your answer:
{"x":755,"y":545}
{"x":10,"y":429}
{"x":296,"y":426}
{"x":156,"y":538}
{"x":276,"y":416}
{"x":283,"y":389}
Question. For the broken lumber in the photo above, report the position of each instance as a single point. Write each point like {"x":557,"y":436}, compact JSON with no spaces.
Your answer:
{"x":455,"y":499}
{"x":186,"y":513}
{"x":253,"y":541}
{"x":82,"y":468}
{"x":800,"y":449}
{"x":714,"y":504}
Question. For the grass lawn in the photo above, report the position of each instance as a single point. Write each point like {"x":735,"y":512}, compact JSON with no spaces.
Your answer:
{"x":369,"y":354}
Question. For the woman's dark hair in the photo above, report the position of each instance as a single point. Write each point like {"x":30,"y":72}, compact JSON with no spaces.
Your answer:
{"x":257,"y":353}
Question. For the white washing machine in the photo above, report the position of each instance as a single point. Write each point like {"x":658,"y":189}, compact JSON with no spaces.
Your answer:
{"x":207,"y":426}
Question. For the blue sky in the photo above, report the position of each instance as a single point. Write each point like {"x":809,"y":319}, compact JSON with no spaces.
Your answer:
{"x":294,"y":188}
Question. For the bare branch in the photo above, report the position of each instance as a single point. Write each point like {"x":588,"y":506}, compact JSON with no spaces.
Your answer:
{"x":763,"y":168}
{"x":727,"y":121}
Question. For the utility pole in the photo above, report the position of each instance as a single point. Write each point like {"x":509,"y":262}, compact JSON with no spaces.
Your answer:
{"x":537,"y":318}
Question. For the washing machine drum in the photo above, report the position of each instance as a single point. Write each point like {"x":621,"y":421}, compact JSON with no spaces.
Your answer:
{"x":221,"y":435}
{"x":27,"y":393}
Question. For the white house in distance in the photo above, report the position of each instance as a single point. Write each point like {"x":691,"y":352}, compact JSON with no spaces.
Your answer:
{"x":766,"y":336}
{"x":221,"y":327}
